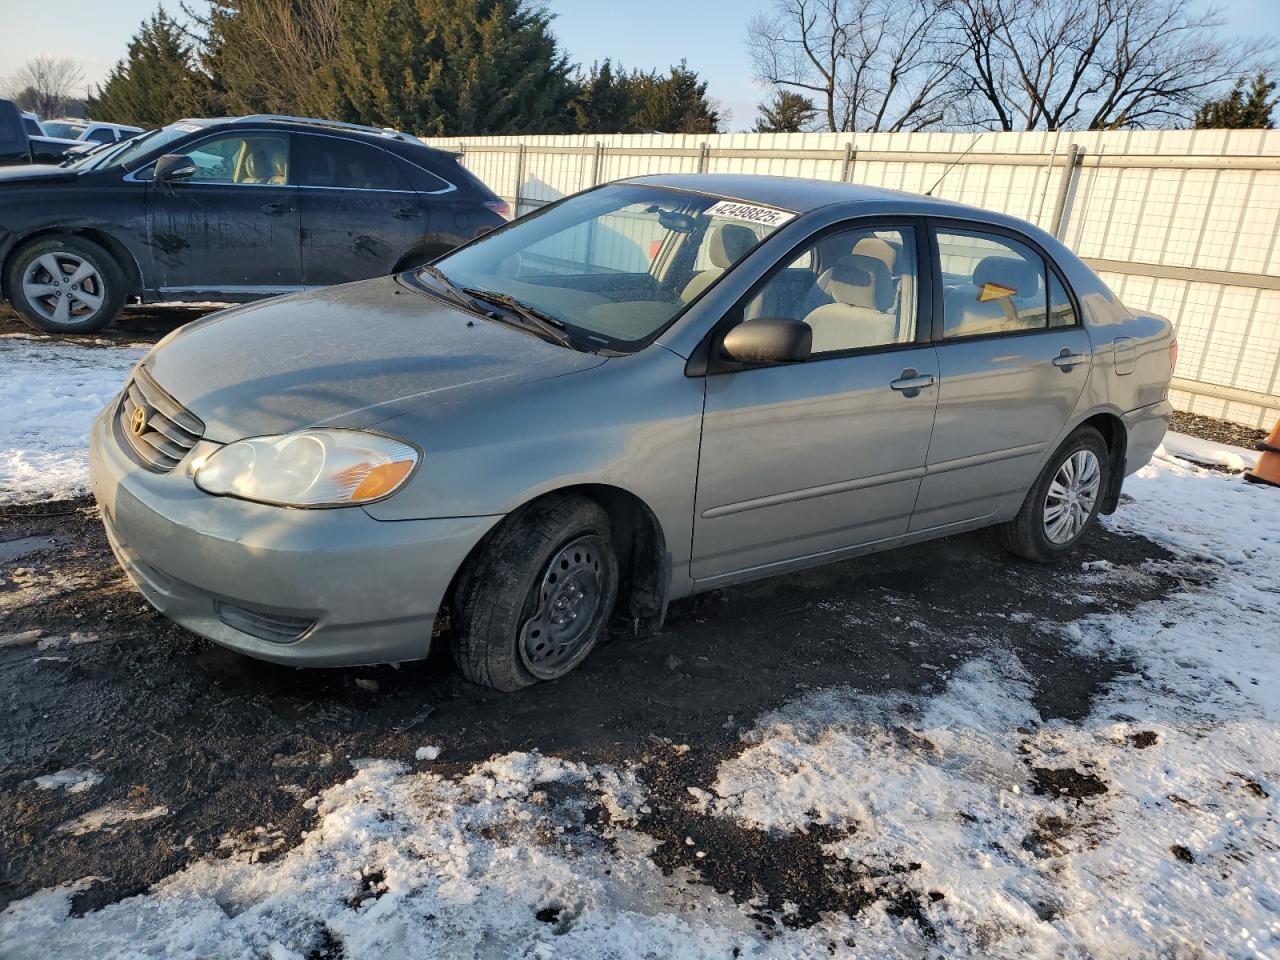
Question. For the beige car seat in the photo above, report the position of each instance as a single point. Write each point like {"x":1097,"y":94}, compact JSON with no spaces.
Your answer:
{"x":1006,"y":295}
{"x":863,"y":313}
{"x":727,"y":244}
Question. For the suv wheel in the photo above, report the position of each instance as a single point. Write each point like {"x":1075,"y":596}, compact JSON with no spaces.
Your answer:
{"x":538,"y":597}
{"x":65,"y":285}
{"x":1064,"y":501}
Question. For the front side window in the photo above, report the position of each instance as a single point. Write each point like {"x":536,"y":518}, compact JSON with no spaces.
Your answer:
{"x":855,"y":289}
{"x":102,"y":135}
{"x":619,"y":263}
{"x":993,"y":284}
{"x":331,"y":162}
{"x":252,"y":158}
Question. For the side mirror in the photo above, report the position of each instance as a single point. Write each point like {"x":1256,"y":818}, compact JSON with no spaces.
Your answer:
{"x":769,"y":340}
{"x":174,"y":166}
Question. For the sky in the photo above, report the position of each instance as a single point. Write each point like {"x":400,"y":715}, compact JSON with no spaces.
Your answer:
{"x":710,"y":34}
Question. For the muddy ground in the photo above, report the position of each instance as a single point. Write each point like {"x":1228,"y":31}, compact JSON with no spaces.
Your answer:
{"x":90,"y":676}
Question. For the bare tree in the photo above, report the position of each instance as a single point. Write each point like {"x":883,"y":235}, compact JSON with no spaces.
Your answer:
{"x":1098,"y":64}
{"x":46,"y":84}
{"x":869,"y":64}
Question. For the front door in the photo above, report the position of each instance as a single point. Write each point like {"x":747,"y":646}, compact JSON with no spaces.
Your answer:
{"x":816,"y":457}
{"x":360,"y":216}
{"x":232,"y":228}
{"x":1013,"y":360}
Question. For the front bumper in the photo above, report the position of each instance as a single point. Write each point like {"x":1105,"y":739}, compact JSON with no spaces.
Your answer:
{"x":361,"y":590}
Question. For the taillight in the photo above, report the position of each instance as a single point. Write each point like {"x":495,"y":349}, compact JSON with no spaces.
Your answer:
{"x":500,"y":207}
{"x":1173,"y":354}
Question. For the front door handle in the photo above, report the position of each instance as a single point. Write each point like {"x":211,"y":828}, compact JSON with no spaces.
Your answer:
{"x":912,"y":382}
{"x":1066,"y":359}
{"x":273,"y":209}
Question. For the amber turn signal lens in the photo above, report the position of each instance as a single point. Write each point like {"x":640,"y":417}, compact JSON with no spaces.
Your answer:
{"x":381,"y":480}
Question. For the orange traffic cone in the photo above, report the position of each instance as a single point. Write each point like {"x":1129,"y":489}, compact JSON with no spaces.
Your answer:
{"x":1268,"y":468}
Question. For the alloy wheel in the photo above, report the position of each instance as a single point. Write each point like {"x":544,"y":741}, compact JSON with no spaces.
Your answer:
{"x":63,"y":288}
{"x":1072,"y":494}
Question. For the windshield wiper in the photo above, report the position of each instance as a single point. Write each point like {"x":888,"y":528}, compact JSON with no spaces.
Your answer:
{"x":451,"y":288}
{"x":550,"y":327}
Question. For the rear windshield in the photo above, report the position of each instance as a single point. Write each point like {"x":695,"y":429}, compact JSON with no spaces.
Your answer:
{"x":64,"y":129}
{"x":618,"y":264}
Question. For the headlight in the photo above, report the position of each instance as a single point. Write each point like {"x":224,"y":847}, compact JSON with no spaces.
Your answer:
{"x":312,"y":468}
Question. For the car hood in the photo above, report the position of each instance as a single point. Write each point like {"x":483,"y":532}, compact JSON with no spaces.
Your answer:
{"x":36,"y":172}
{"x":350,"y":356}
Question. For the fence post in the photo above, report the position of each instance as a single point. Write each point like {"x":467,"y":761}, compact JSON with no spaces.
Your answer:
{"x":599,"y":161}
{"x":704,"y":153}
{"x":850,"y":155}
{"x":519,"y":180}
{"x":1070,"y":165}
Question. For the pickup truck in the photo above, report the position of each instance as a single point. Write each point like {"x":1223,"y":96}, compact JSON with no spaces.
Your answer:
{"x":18,"y":146}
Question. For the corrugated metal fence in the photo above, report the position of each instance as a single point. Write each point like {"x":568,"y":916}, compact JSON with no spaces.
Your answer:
{"x":1181,"y":222}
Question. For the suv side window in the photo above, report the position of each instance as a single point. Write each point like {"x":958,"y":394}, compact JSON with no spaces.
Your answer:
{"x":855,"y":288}
{"x":101,"y":135}
{"x":333,"y":162}
{"x":259,"y":158}
{"x":994,"y":284}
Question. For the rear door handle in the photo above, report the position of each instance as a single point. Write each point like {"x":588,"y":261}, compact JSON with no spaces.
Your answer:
{"x":911,"y":383}
{"x":407,"y":213}
{"x":273,"y":209}
{"x":1066,"y":359}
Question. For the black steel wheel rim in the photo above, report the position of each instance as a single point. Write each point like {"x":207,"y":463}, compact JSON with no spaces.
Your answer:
{"x":567,"y":606}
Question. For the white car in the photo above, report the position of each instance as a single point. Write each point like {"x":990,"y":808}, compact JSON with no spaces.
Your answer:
{"x":90,"y":131}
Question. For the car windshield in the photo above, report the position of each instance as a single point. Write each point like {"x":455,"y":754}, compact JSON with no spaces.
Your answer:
{"x":612,"y":267}
{"x":128,"y":151}
{"x":64,"y":129}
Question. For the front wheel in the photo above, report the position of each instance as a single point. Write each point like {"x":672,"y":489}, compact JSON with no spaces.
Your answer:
{"x":65,"y":285}
{"x":1064,"y":502}
{"x":533,"y":604}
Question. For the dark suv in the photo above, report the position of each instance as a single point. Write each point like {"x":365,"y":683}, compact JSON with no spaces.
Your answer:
{"x":228,"y":210}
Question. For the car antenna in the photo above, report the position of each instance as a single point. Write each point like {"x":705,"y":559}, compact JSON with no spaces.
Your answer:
{"x":929,"y":192}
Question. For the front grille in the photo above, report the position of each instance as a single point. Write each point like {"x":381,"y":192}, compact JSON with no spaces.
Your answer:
{"x":167,"y":431}
{"x":273,"y":627}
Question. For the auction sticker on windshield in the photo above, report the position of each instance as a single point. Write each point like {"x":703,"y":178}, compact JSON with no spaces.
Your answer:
{"x":733,"y":210}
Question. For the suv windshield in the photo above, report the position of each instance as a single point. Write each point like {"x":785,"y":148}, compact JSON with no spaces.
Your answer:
{"x":613,"y":266}
{"x":128,"y":151}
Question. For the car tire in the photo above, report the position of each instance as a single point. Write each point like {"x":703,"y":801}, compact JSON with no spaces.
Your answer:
{"x":86,"y":306}
{"x":538,"y":596}
{"x":1064,"y":501}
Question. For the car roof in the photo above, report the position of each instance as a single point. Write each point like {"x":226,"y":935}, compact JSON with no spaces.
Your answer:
{"x":789,"y":193}
{"x":395,"y":140}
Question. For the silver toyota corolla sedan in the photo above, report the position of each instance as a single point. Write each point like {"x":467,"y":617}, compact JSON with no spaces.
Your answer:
{"x":656,"y":387}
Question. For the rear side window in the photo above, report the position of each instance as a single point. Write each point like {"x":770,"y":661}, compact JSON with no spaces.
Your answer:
{"x":331,"y":162}
{"x":101,"y":135}
{"x":993,"y":284}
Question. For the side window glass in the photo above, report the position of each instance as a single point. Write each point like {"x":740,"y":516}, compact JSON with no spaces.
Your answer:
{"x":990,"y":284}
{"x":101,"y":135}
{"x":252,"y":158}
{"x":331,"y":162}
{"x":1061,"y":313}
{"x":855,"y":289}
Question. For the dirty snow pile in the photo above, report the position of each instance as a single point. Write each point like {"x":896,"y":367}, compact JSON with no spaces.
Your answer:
{"x":49,"y":394}
{"x":1147,"y":830}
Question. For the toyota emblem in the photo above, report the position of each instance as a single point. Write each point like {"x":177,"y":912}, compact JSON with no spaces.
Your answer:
{"x":138,"y":421}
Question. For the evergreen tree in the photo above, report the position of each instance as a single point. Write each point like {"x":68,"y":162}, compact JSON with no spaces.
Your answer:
{"x":605,"y":101}
{"x":787,"y":112}
{"x":676,"y":103}
{"x":156,"y":83}
{"x":1239,"y":110}
{"x":451,"y":68}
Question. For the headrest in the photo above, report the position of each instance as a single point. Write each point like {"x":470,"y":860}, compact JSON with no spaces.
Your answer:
{"x":255,"y":163}
{"x":729,"y":243}
{"x":1012,"y":273}
{"x":882,"y":250}
{"x":859,"y":281}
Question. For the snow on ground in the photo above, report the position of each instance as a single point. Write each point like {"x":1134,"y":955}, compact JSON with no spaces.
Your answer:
{"x":1209,"y":452}
{"x":49,"y":394}
{"x":1147,"y":830}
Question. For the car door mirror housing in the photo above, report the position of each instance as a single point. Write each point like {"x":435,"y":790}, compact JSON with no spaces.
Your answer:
{"x":174,"y":166}
{"x":769,"y":340}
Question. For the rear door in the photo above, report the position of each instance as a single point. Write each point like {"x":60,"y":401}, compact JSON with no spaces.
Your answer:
{"x":360,"y":215}
{"x":806,"y":459}
{"x":1013,"y":359}
{"x":232,"y":228}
